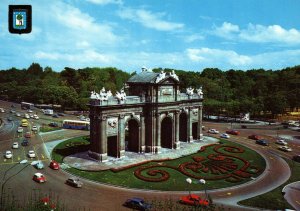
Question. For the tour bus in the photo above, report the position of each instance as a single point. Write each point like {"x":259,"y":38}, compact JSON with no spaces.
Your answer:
{"x":25,"y":105}
{"x":76,"y":124}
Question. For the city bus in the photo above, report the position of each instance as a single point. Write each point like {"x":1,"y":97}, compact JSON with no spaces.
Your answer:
{"x":25,"y":105}
{"x":76,"y":124}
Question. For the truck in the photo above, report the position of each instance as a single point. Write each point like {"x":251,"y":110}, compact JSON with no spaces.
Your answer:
{"x":48,"y":111}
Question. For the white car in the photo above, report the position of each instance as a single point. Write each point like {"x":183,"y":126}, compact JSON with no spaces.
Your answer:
{"x":31,"y":116}
{"x":18,"y":114}
{"x":281,"y":142}
{"x":8,"y":154}
{"x":213,"y":131}
{"x":29,"y":111}
{"x":31,"y":154}
{"x":285,"y":148}
{"x":35,"y":116}
{"x":2,"y":110}
{"x":15,"y":145}
{"x":20,"y":130}
{"x":224,"y":135}
{"x":34,"y":128}
{"x":26,"y":116}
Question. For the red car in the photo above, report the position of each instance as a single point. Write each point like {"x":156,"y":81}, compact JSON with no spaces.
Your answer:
{"x":254,"y":137}
{"x":54,"y":165}
{"x":233,"y":132}
{"x":193,"y":199}
{"x":27,"y":135}
{"x":39,"y":177}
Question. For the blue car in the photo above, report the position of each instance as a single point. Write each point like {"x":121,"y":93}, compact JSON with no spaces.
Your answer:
{"x":138,"y":204}
{"x":39,"y":165}
{"x":262,"y":142}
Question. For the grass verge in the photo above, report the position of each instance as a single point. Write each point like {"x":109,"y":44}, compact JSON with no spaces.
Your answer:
{"x":274,"y":199}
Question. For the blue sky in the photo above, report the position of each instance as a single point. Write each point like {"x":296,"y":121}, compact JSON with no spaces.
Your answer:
{"x":179,"y":34}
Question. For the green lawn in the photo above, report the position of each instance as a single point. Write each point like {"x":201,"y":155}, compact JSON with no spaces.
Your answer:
{"x":274,"y":199}
{"x":176,"y":180}
{"x":45,"y":129}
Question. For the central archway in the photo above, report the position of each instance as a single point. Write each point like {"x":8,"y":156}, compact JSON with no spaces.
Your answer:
{"x":183,"y":127}
{"x":132,"y":136}
{"x":166,"y":133}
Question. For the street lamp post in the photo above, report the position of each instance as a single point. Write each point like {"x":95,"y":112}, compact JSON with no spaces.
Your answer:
{"x":202,"y":181}
{"x":4,"y":181}
{"x":189,"y":180}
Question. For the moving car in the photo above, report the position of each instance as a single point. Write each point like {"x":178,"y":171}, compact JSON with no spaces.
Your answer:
{"x":31,"y":154}
{"x":137,"y":203}
{"x":25,"y":142}
{"x":8,"y":154}
{"x":26,"y":116}
{"x":15,"y":145}
{"x":61,"y":114}
{"x":10,"y":118}
{"x":213,"y":131}
{"x":193,"y":199}
{"x":54,"y":165}
{"x":73,"y":181}
{"x":12,"y":111}
{"x":2,"y":110}
{"x":254,"y":137}
{"x":18,"y":114}
{"x":35,"y":116}
{"x":20,"y":130}
{"x":39,"y":177}
{"x":39,"y":164}
{"x":224,"y":135}
{"x":281,"y":142}
{"x":29,"y":111}
{"x":27,"y":135}
{"x":34,"y":128}
{"x":262,"y":142}
{"x":285,"y":148}
{"x":233,"y":132}
{"x":24,"y":123}
{"x":55,"y":116}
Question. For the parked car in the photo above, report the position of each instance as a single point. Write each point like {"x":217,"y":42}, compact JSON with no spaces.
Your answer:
{"x":15,"y":145}
{"x":39,"y":177}
{"x":193,"y":199}
{"x":285,"y":148}
{"x":27,"y":135}
{"x":31,"y":154}
{"x":53,"y":124}
{"x":254,"y":137}
{"x":262,"y":142}
{"x":39,"y":164}
{"x":54,"y":165}
{"x":233,"y":132}
{"x":224,"y":135}
{"x":213,"y":131}
{"x":25,"y":142}
{"x":137,"y":203}
{"x":34,"y":128}
{"x":296,"y":158}
{"x":20,"y":130}
{"x":8,"y":154}
{"x":281,"y":142}
{"x":73,"y":181}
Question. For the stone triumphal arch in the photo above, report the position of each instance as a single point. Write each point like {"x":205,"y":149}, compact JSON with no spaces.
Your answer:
{"x":154,"y":115}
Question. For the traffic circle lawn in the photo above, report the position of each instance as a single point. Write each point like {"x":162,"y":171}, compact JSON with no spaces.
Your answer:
{"x":221,"y":165}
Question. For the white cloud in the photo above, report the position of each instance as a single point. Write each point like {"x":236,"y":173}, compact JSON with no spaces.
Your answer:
{"x":216,"y":55}
{"x":259,"y":33}
{"x":193,"y":37}
{"x":149,"y":19}
{"x":104,"y":2}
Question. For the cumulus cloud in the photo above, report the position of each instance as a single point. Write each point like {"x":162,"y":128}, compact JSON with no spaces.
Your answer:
{"x":259,"y":33}
{"x":149,"y":19}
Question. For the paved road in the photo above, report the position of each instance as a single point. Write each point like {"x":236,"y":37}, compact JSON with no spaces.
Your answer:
{"x":103,"y":197}
{"x":292,"y":194}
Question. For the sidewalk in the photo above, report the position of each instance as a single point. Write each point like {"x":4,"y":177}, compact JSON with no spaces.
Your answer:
{"x":84,"y":162}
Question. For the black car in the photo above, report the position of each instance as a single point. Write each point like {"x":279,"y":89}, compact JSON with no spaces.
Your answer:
{"x":61,"y":114}
{"x":74,"y":182}
{"x":25,"y":142}
{"x":262,"y":142}
{"x":138,"y":204}
{"x":53,"y":124}
{"x":55,"y":116}
{"x":296,"y":158}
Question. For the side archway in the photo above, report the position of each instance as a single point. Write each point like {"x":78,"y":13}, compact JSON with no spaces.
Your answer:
{"x":183,"y":121}
{"x":167,"y":133}
{"x":132,"y":136}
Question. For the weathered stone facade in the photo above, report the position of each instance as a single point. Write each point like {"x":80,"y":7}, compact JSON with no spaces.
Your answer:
{"x":154,"y":115}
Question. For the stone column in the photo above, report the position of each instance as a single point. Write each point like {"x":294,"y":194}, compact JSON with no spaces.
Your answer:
{"x":121,"y":135}
{"x":100,"y":152}
{"x":190,"y":125}
{"x":199,"y":129}
{"x":158,"y":133}
{"x":177,"y":122}
{"x":142,"y":147}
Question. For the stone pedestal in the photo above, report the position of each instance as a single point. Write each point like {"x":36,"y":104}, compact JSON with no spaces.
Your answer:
{"x":98,"y":156}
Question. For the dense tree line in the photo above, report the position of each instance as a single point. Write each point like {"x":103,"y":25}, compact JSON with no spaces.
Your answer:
{"x":226,"y":92}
